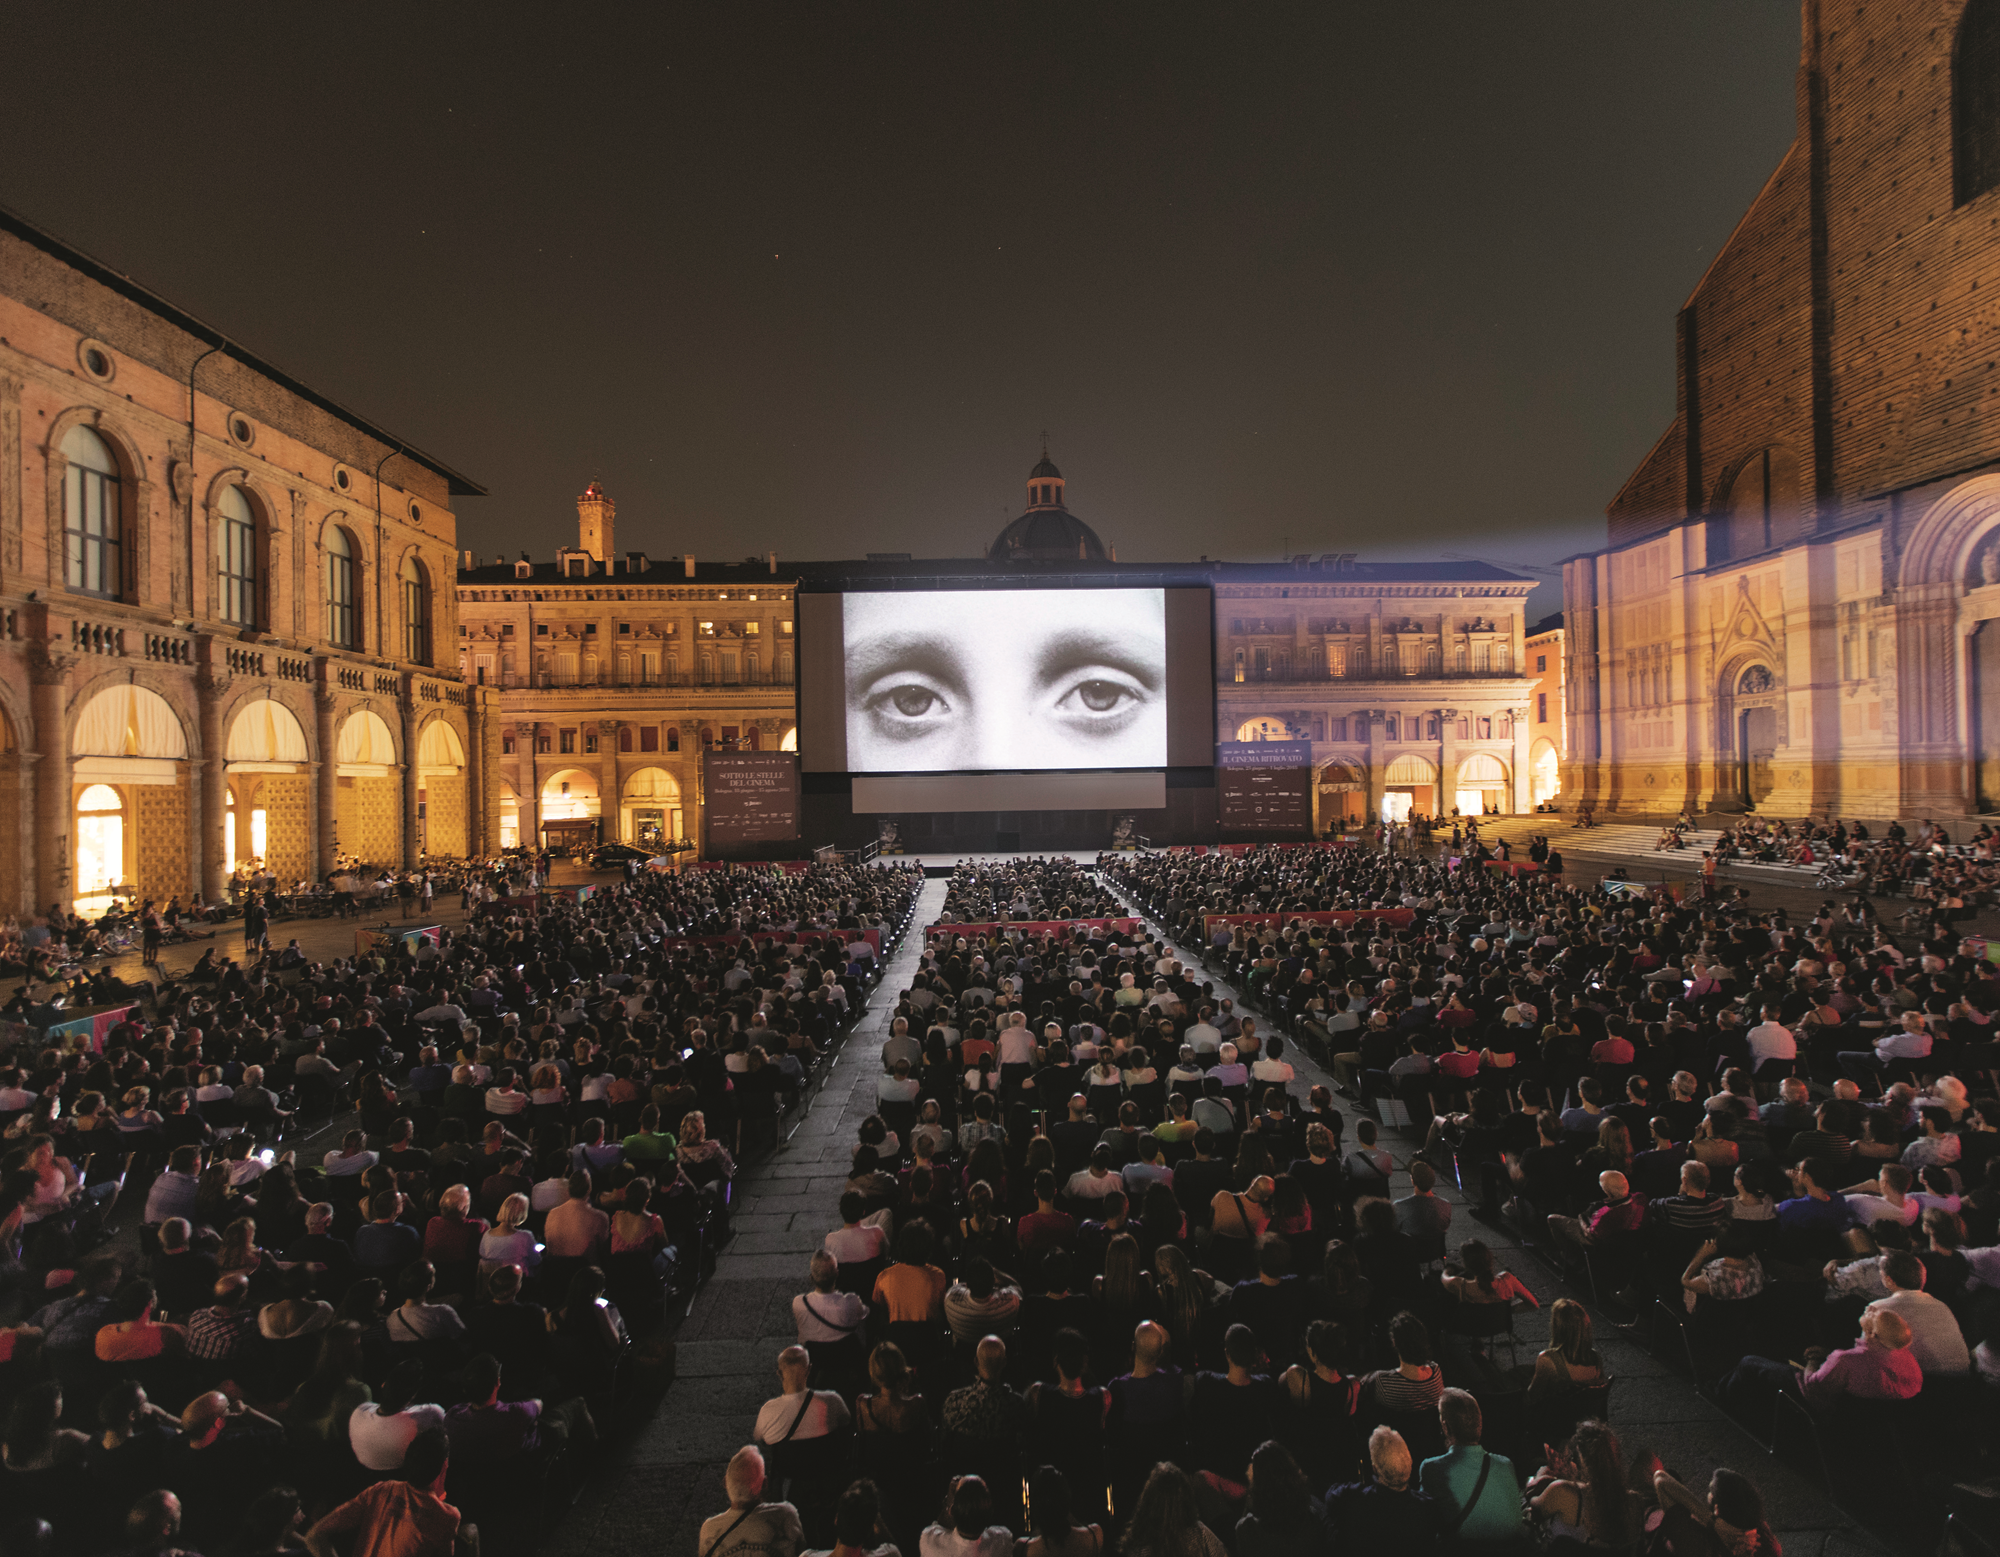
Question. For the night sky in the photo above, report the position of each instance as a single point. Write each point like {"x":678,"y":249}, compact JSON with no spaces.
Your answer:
{"x":1392,"y":278}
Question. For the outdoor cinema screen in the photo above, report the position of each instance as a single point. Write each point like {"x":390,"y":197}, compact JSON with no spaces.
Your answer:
{"x":1004,"y":680}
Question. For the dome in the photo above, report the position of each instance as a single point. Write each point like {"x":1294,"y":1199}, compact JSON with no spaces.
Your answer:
{"x":1047,"y":535}
{"x":1048,"y":531}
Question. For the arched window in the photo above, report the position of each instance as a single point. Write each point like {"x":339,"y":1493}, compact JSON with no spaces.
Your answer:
{"x":1763,"y":505}
{"x":416,"y":613}
{"x":673,"y":737}
{"x":91,"y":530}
{"x":340,"y":614}
{"x":1975,"y":101}
{"x":100,"y":844}
{"x":235,"y":558}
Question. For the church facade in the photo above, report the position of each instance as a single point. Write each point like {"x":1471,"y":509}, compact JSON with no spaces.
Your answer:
{"x":1799,"y":606}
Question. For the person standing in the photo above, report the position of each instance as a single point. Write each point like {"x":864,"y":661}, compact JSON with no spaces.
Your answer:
{"x":256,"y":924}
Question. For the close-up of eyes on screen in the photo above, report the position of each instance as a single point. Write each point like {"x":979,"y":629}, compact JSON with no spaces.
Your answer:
{"x":942,"y":681}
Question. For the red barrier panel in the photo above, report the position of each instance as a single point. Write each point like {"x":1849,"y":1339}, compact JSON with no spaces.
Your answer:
{"x":1058,"y":927}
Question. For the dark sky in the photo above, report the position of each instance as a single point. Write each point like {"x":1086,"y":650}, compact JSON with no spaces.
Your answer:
{"x":1395,"y":278}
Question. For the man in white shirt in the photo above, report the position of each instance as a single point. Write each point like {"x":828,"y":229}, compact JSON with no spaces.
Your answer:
{"x":1771,"y":1040}
{"x":855,"y":1242}
{"x":13,"y":1096}
{"x":381,"y":1430}
{"x":1893,"y":1204}
{"x":899,"y":1086}
{"x":1271,"y":1065}
{"x":823,"y":1316}
{"x":1203,"y":1037}
{"x":799,"y":1412}
{"x":1101,"y":1178}
{"x":353,"y":1158}
{"x":1935,"y":1339}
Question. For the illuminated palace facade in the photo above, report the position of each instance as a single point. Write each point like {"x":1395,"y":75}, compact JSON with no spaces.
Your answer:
{"x":222,"y":597}
{"x":615,"y":670}
{"x":1799,"y":608}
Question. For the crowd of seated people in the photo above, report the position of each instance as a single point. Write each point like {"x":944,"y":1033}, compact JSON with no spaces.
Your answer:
{"x":1060,"y":1311}
{"x":421,"y":1320}
{"x":1048,"y":1313}
{"x":1028,"y":889}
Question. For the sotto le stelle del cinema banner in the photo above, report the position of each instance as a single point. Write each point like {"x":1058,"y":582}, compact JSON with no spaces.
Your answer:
{"x":752,"y":796}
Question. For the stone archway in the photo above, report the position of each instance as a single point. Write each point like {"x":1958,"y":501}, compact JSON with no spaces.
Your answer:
{"x":1752,"y":703}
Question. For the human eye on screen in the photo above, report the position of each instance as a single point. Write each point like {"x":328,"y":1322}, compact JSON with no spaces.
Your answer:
{"x":902,"y":705}
{"x":1099,"y":699}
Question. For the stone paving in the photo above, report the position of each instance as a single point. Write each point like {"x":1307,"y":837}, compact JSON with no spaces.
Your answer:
{"x":669,"y":1477}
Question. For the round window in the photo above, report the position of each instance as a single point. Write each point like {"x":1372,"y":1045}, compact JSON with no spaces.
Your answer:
{"x":343,"y":478}
{"x":95,"y":358}
{"x":416,"y":514}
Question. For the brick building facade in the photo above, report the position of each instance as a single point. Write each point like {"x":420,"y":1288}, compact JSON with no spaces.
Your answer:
{"x":1798,"y":609}
{"x":219,"y":593}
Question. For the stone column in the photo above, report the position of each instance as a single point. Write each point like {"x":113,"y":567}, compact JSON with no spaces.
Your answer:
{"x":412,"y":778}
{"x":326,"y":782}
{"x":211,"y":684}
{"x":530,"y":787}
{"x":1378,"y":765}
{"x":1447,"y":760}
{"x":1523,"y":791}
{"x":48,"y":670}
{"x":610,"y":784}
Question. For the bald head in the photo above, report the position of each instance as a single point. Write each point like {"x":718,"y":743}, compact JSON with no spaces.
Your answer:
{"x":1149,"y":1343}
{"x":992,"y":1359}
{"x":1613,"y":1185}
{"x":1886,"y":1326}
{"x":794,"y":1368}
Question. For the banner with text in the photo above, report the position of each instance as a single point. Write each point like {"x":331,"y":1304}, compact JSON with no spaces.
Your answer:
{"x":752,"y":796}
{"x":1264,"y":786}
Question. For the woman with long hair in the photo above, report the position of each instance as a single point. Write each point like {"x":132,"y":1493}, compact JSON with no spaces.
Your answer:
{"x":1181,"y":1295}
{"x":1570,"y":1360}
{"x":327,"y":1396}
{"x":1323,"y":1399}
{"x":1283,"y":1518}
{"x":239,"y":1253}
{"x":1581,"y":1495}
{"x":1344,"y":1290}
{"x":1166,"y":1521}
{"x":1732,"y":1515}
{"x":1483,"y":1281}
{"x":1051,"y":1516}
{"x":895,"y":1444}
{"x":987,"y":1163}
{"x":1116,"y":1303}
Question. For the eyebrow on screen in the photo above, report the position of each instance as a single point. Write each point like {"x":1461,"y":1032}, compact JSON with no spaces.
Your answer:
{"x":1088,"y":646}
{"x":903,"y":651}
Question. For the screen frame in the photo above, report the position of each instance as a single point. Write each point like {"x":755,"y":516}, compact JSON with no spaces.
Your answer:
{"x":1181,"y":744}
